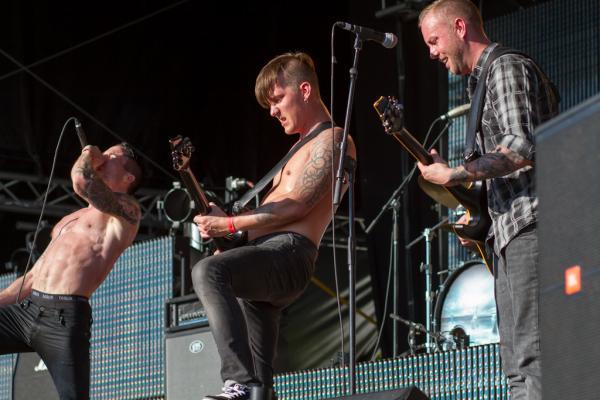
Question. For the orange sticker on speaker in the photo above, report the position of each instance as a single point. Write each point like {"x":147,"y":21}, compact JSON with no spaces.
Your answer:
{"x":573,"y":279}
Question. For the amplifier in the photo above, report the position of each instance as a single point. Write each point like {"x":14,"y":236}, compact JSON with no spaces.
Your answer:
{"x":184,"y":312}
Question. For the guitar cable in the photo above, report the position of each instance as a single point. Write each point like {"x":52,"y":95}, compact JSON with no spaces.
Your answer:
{"x":39,"y":223}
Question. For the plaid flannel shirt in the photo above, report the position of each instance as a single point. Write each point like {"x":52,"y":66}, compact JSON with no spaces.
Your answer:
{"x":518,"y":99}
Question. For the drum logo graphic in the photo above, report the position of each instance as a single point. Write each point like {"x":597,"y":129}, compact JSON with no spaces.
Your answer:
{"x":196,"y":346}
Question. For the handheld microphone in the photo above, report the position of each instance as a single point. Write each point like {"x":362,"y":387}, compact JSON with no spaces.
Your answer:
{"x":387,"y":40}
{"x":80,"y":133}
{"x":456,"y":112}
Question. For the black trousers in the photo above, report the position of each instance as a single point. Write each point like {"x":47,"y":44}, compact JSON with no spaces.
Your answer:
{"x":58,"y":329}
{"x":243,"y":291}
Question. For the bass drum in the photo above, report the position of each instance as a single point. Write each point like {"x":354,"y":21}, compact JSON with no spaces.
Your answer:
{"x":465,"y":312}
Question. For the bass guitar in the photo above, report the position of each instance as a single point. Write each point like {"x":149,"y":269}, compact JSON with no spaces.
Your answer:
{"x":473,"y":197}
{"x":181,"y":153}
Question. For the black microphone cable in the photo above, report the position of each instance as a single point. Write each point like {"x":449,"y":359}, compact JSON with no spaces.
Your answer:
{"x":39,"y":223}
{"x":333,"y":208}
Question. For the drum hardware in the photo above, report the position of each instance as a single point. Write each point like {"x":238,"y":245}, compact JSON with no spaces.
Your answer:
{"x":426,"y":267}
{"x":416,"y":328}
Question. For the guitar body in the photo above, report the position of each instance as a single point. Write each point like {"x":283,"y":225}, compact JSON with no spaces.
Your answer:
{"x":474,"y":200}
{"x":181,"y":152}
{"x":473,"y":197}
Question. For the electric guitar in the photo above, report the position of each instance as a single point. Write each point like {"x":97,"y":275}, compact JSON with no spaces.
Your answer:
{"x":181,"y":153}
{"x":473,"y":197}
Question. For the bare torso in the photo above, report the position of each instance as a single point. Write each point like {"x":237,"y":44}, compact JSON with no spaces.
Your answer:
{"x":294,"y":176}
{"x":83,"y":250}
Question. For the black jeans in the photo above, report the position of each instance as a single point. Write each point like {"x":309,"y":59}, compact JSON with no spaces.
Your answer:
{"x":243,"y":291}
{"x":517,"y":298}
{"x":58,"y":329}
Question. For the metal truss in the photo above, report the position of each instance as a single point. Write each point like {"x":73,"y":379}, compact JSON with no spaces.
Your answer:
{"x":24,"y":194}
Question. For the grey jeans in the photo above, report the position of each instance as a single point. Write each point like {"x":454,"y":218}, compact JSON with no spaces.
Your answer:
{"x":243,"y":291}
{"x":517,"y":300}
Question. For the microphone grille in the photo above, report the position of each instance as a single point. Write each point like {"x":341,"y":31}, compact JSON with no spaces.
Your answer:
{"x":390,"y":41}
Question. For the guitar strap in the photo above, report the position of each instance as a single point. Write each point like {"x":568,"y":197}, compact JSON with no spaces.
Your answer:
{"x":249,"y":195}
{"x":478,"y":100}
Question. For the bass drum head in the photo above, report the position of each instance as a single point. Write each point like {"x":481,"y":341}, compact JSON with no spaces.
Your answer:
{"x":466,"y":306}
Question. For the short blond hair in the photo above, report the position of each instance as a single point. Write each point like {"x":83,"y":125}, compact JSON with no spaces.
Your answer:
{"x":464,"y":9}
{"x":289,"y":69}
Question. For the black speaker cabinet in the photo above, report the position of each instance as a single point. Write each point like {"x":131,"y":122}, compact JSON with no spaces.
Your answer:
{"x":568,"y":181}
{"x":31,"y":379}
{"x":410,"y":393}
{"x":193,"y":364}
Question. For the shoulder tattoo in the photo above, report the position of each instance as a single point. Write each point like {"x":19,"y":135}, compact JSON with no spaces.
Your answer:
{"x":316,"y":175}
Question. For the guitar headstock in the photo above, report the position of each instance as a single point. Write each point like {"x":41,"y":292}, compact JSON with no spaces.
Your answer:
{"x":391,"y":114}
{"x":181,"y":152}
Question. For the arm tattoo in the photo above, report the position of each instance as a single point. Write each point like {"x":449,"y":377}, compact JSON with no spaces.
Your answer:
{"x":459,"y":175}
{"x":316,"y":176}
{"x":102,"y":198}
{"x":105,"y":200}
{"x":490,"y":165}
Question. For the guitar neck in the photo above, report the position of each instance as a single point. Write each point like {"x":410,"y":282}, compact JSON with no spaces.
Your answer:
{"x":413,"y":146}
{"x":192,"y":185}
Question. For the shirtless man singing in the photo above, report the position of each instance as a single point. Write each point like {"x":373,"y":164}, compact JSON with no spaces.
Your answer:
{"x":284,"y":233}
{"x":52,"y":315}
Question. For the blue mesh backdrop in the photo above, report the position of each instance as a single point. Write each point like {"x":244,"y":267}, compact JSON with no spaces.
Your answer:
{"x":128,"y":354}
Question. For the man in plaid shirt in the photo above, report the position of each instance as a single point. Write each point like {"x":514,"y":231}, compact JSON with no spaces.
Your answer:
{"x":518,"y":97}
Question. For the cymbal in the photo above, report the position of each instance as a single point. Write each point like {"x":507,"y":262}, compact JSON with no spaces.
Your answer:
{"x":438,"y":193}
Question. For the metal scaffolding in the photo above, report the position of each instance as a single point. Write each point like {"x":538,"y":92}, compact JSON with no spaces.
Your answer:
{"x":24,"y":194}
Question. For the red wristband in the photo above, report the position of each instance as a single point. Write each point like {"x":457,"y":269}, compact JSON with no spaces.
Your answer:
{"x":230,"y":225}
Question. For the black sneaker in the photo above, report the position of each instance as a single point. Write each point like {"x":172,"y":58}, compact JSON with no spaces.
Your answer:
{"x":232,"y":392}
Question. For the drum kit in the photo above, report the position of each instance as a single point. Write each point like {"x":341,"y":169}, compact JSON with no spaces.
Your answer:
{"x":462,"y":311}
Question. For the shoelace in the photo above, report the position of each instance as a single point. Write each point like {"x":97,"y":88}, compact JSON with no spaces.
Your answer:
{"x":234,"y":391}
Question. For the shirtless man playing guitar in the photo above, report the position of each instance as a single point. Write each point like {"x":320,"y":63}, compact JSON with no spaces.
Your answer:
{"x":52,"y":315}
{"x":284,"y":233}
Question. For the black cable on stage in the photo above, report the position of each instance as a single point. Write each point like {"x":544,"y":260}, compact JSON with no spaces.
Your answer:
{"x":39,"y":223}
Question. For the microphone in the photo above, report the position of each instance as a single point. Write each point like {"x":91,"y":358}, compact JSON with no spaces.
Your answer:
{"x":80,"y":133}
{"x":387,"y":40}
{"x":456,"y":112}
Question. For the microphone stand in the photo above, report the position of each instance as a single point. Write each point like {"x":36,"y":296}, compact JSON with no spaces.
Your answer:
{"x":348,"y":164}
{"x":394,"y":204}
{"x":415,"y":326}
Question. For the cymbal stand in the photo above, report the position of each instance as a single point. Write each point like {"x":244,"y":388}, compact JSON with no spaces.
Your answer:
{"x":428,"y":234}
